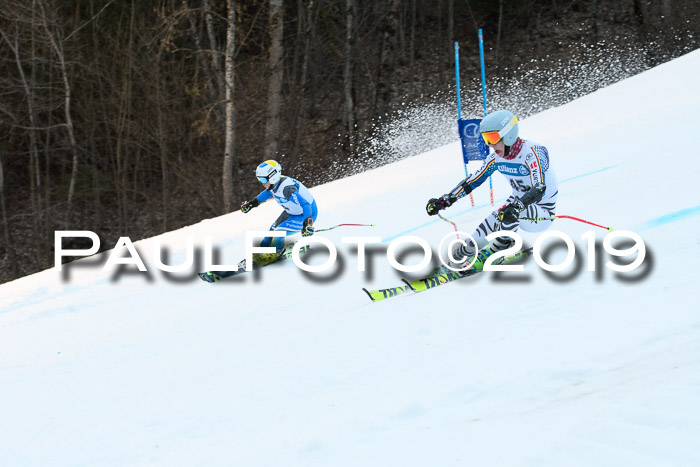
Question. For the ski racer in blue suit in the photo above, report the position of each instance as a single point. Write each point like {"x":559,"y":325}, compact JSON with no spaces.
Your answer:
{"x":525,"y":164}
{"x":300,"y":210}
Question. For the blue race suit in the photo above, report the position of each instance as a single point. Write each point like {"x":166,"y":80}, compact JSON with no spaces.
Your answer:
{"x":298,"y":204}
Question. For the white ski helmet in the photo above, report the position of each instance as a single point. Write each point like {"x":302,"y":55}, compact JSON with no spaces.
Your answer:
{"x":269,"y":171}
{"x":498,"y":125}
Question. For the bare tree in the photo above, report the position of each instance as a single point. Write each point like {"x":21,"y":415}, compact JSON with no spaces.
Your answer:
{"x":412,"y":50}
{"x":387,"y":58}
{"x":348,"y":75}
{"x":56,"y":40}
{"x":35,"y":177}
{"x":498,"y":34}
{"x":215,"y":55}
{"x":199,"y":54}
{"x":307,"y":20}
{"x":229,"y":151}
{"x":274,"y":92}
{"x":9,"y":256}
{"x":450,"y":31}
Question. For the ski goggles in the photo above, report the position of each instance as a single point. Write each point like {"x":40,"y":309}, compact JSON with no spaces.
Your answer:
{"x":493,"y":137}
{"x":262,"y":180}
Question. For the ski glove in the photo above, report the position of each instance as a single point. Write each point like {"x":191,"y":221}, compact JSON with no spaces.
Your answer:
{"x":437,"y":204}
{"x":308,"y":228}
{"x":509,"y":213}
{"x":248,"y":205}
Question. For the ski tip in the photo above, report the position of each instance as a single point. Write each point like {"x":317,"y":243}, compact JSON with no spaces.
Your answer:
{"x":368,"y":294}
{"x":205,"y":277}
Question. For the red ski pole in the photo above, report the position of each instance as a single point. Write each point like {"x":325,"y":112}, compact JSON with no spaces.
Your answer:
{"x":610,"y":229}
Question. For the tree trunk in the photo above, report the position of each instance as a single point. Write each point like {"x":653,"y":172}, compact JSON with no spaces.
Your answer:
{"x":441,"y":68}
{"x":348,"y":75}
{"x":412,"y":51}
{"x":206,"y":69}
{"x":32,"y":114}
{"x":216,"y":64}
{"x":9,"y":253}
{"x":641,"y":9}
{"x":122,"y":124}
{"x":386,"y":63}
{"x":274,"y":91}
{"x":34,"y":177}
{"x":450,"y":32}
{"x":307,"y":17}
{"x":595,"y":6}
{"x":215,"y":56}
{"x":57,"y":45}
{"x":229,"y":154}
{"x":162,"y":143}
{"x":498,"y":34}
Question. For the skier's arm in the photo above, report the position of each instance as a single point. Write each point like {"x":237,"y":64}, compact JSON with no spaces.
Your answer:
{"x":460,"y":191}
{"x":481,"y":175}
{"x":264,"y":196}
{"x":255,"y":202}
{"x":445,"y":201}
{"x":463,"y":188}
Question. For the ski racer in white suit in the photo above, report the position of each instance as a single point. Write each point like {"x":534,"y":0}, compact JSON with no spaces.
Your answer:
{"x":300,"y":210}
{"x":526,"y":165}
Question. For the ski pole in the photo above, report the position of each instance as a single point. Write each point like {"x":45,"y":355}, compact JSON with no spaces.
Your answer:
{"x":609,"y":229}
{"x":450,"y":222}
{"x":343,"y":225}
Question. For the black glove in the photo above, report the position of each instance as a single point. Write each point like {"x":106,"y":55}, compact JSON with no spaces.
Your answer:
{"x":308,"y":228}
{"x":509,"y":213}
{"x":437,"y":204}
{"x":248,"y":205}
{"x":533,"y":195}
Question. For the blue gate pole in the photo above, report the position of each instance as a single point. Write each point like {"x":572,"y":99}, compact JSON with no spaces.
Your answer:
{"x":459,"y":99}
{"x":459,"y":110}
{"x":483,"y":68}
{"x":483,"y":91}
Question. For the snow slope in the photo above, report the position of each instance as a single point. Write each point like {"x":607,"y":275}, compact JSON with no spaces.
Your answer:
{"x":284,"y":368}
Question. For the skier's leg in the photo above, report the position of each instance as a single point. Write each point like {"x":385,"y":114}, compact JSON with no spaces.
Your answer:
{"x":488,"y":226}
{"x":279,"y":224}
{"x":262,"y":259}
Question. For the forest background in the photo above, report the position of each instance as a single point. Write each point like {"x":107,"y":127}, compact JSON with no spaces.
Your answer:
{"x":136,"y":117}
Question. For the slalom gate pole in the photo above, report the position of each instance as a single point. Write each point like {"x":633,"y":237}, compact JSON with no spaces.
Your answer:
{"x":459,"y":106}
{"x":609,"y":229}
{"x":343,"y":225}
{"x":483,"y":91}
{"x":459,"y":98}
{"x":450,"y":222}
